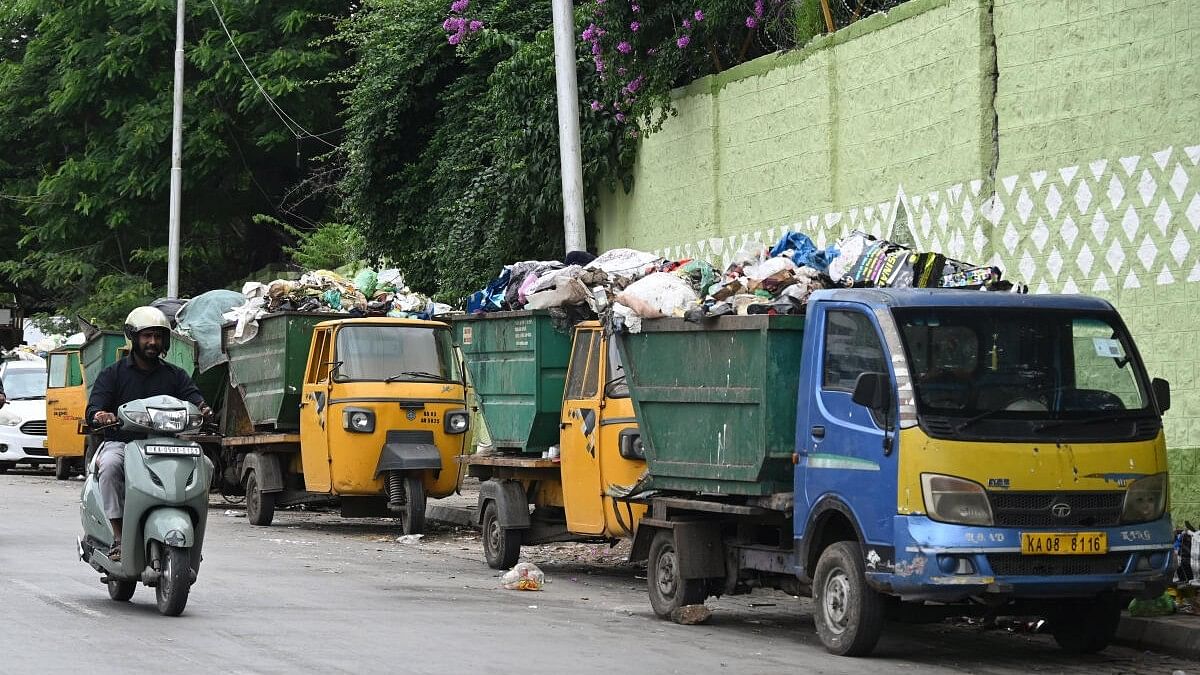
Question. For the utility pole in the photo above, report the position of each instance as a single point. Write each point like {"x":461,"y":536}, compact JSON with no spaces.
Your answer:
{"x":568,"y":125}
{"x":176,"y":161}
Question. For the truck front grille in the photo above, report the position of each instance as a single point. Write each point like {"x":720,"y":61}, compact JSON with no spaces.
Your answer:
{"x":1016,"y":565}
{"x":1037,"y":509}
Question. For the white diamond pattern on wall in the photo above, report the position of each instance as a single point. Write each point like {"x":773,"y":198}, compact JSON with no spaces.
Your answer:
{"x":1048,"y":228}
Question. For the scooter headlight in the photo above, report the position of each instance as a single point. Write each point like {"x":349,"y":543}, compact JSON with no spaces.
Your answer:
{"x":170,"y":421}
{"x":138,"y":417}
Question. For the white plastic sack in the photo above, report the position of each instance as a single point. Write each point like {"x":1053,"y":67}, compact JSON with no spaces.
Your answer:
{"x":850,"y":249}
{"x":660,"y":294}
{"x":553,"y":278}
{"x":524,"y":577}
{"x":768,"y":267}
{"x":626,"y":262}
{"x":246,"y":317}
{"x":569,"y":292}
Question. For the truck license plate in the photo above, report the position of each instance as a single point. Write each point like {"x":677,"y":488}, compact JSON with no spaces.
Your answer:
{"x":1064,"y":543}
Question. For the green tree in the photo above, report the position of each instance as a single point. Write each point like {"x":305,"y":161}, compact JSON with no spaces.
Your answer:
{"x":85,"y":120}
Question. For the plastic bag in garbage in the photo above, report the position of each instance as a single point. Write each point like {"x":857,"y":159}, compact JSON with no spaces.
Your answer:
{"x":524,"y":577}
{"x":625,"y":262}
{"x":366,"y":281}
{"x":660,"y":294}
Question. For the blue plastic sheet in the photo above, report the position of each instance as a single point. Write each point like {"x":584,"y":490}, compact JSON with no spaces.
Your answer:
{"x":805,"y":251}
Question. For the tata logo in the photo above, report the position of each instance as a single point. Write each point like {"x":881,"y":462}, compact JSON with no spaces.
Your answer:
{"x":411,"y":414}
{"x":1060,"y":510}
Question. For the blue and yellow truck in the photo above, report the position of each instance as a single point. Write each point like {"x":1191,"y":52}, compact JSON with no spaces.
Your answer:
{"x":905,"y":454}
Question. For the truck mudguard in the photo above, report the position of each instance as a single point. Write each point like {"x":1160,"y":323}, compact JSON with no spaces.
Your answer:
{"x":266,"y":470}
{"x":698,"y":546}
{"x":512,"y":508}
{"x":408,"y":451}
{"x":817,"y":535}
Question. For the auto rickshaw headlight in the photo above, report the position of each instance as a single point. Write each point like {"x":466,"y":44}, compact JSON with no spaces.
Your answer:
{"x":631,"y":446}
{"x":359,"y":420}
{"x":457,"y":421}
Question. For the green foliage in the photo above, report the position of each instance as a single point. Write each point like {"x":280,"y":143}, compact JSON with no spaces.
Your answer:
{"x":85,"y":129}
{"x":452,"y":150}
{"x":327,"y":247}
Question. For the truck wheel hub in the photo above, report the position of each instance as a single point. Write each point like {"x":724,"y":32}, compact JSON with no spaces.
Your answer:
{"x":834,"y":601}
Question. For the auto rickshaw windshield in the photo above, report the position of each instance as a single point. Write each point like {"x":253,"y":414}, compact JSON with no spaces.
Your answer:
{"x":395,"y":353}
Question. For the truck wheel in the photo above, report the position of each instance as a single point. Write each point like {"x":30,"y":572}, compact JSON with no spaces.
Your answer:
{"x":1087,"y":627}
{"x":121,"y":591}
{"x":63,"y":467}
{"x":175,"y":582}
{"x":501,"y":547}
{"x":260,"y":506}
{"x":668,"y":590}
{"x":413,"y":520}
{"x":849,"y":614}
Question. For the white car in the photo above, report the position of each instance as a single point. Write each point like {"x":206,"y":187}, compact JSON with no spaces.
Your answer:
{"x":23,"y":417}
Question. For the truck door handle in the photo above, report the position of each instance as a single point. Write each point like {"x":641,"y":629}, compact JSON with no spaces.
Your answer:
{"x":818,"y":431}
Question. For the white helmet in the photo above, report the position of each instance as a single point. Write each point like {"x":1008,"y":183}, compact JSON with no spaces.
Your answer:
{"x":142,"y":318}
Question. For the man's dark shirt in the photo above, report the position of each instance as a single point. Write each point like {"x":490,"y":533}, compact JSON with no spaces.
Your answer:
{"x":123,"y":382}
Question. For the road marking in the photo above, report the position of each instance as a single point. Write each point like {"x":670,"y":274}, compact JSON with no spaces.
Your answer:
{"x":49,"y":598}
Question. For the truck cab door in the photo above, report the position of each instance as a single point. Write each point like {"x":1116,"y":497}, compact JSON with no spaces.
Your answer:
{"x":842,"y":443}
{"x":579,"y":438}
{"x":314,"y":413}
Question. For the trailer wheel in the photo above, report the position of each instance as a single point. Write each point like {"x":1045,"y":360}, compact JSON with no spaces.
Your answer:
{"x":1086,"y":628}
{"x":501,"y":547}
{"x":849,"y":614}
{"x":260,"y":506}
{"x":668,"y":590}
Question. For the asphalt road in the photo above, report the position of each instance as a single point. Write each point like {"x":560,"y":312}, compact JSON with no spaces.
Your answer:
{"x":316,"y":593}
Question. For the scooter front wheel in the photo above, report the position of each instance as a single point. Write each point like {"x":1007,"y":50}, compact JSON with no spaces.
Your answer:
{"x":175,"y":580}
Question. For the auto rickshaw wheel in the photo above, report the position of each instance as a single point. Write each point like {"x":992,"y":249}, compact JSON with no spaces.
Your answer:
{"x":260,"y":506}
{"x":413,"y":519}
{"x":63,"y":467}
{"x":501,"y":547}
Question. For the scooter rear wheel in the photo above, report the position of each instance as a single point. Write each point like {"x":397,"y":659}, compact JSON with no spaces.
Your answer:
{"x":121,"y":591}
{"x":175,"y":581}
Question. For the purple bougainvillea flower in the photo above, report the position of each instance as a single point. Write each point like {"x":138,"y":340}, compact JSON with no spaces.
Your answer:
{"x":699,"y":15}
{"x":460,"y":6}
{"x":636,"y":9}
{"x":683,"y":42}
{"x":687,"y":23}
{"x":476,"y":26}
{"x":599,"y":66}
{"x":621,"y":71}
{"x":751,"y":22}
{"x":634,"y":84}
{"x":589,"y":32}
{"x":624,"y":47}
{"x":758,"y":9}
{"x":596,"y":48}
{"x":596,"y":106}
{"x":621,"y":117}
{"x":448,"y":25}
{"x":635,"y":26}
{"x":455,"y":38}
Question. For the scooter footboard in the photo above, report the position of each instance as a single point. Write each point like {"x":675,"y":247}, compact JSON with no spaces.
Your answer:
{"x":172,"y":526}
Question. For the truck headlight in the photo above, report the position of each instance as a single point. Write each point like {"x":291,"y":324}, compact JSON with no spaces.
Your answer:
{"x":1145,"y":499}
{"x":955,"y":500}
{"x":358,"y":420}
{"x":631,"y":446}
{"x":457,"y":421}
{"x":168,"y":420}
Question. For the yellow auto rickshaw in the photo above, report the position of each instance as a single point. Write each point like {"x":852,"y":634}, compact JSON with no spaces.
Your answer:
{"x":66,"y":401}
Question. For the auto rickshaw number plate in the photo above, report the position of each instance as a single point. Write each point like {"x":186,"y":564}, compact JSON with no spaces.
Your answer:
{"x":178,"y":450}
{"x":1064,"y":543}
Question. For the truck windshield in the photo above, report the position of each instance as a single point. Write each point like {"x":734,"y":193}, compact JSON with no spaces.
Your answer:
{"x":395,"y":353}
{"x":1049,"y":369}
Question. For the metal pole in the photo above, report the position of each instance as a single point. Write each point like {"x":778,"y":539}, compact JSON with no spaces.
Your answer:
{"x":176,"y":161}
{"x":568,"y":125}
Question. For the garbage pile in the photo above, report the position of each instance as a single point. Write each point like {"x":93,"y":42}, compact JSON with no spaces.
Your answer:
{"x":625,"y":286}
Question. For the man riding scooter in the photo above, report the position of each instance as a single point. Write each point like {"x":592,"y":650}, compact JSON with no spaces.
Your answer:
{"x":141,"y":374}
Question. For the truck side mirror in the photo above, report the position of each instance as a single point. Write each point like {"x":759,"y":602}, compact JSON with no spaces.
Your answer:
{"x":1162,"y":394}
{"x":873,"y":391}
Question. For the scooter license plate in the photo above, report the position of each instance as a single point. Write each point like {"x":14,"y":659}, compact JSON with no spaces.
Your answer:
{"x":175,"y":450}
{"x":1064,"y":543}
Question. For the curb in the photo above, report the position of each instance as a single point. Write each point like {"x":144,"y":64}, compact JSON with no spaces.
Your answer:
{"x":458,"y":515}
{"x":1178,"y":635}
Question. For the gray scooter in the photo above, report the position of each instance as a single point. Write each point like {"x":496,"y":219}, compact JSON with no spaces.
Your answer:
{"x":166,"y":506}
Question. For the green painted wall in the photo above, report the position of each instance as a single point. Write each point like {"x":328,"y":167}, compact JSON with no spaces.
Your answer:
{"x":1059,"y":139}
